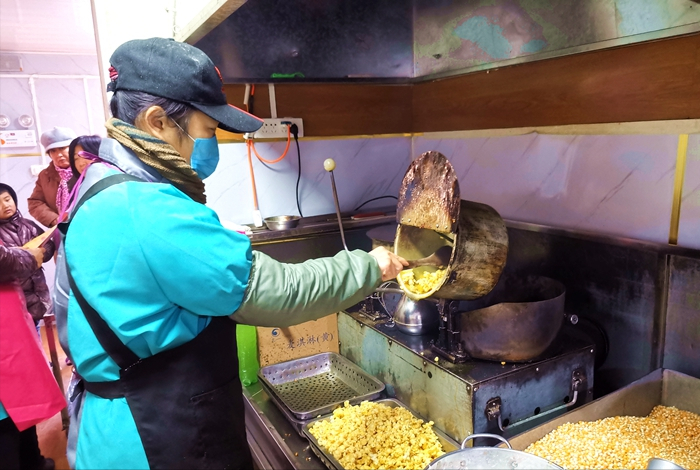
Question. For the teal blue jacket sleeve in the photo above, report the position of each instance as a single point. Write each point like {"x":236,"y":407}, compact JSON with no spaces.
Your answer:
{"x":281,"y":294}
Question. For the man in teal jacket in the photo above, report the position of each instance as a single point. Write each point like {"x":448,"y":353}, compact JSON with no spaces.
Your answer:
{"x":147,"y":277}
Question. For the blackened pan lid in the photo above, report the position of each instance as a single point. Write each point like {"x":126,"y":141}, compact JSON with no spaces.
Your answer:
{"x":429,"y":197}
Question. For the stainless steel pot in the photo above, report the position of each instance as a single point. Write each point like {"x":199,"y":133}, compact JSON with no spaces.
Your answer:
{"x":416,"y":317}
{"x":490,"y":458}
{"x":409,"y":316}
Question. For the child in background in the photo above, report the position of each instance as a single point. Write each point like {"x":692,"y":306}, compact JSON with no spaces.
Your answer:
{"x":15,"y":231}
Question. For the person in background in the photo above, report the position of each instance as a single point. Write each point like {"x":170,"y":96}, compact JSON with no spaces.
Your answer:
{"x":19,"y":263}
{"x":50,"y":195}
{"x":80,"y":145}
{"x":84,"y":143}
{"x":19,"y":449}
{"x":15,"y":231}
{"x":154,"y":285}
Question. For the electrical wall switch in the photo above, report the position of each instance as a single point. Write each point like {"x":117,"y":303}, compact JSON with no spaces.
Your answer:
{"x":276,"y":128}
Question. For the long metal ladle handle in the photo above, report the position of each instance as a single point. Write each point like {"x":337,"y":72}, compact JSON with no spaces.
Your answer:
{"x":329,"y":166}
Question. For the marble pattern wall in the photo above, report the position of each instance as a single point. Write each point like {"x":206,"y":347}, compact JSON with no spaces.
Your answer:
{"x":689,"y":229}
{"x":365,"y":169}
{"x":60,"y":101}
{"x":617,"y":185}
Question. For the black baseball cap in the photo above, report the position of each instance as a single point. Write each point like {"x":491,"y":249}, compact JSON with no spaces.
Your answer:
{"x":180,"y":72}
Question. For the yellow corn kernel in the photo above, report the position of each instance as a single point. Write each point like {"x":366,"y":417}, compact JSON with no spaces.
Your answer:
{"x":376,"y":436}
{"x":624,"y":442}
{"x":422,"y":280}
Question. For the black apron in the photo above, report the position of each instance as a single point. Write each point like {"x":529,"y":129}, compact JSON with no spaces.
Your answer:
{"x":187,"y":401}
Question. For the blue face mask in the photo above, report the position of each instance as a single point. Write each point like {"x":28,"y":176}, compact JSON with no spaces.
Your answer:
{"x":205,"y":154}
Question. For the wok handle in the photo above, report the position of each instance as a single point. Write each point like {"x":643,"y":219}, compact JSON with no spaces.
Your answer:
{"x":494,"y":436}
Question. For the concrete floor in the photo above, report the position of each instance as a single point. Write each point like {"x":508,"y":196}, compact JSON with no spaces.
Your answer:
{"x":52,"y":438}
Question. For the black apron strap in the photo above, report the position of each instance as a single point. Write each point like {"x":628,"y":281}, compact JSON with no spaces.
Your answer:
{"x":94,"y":189}
{"x":113,"y":346}
{"x":118,"y":351}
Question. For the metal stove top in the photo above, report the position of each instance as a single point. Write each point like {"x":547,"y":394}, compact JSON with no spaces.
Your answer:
{"x":474,"y":396}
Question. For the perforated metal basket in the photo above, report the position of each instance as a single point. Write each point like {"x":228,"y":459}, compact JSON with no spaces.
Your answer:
{"x":316,"y":385}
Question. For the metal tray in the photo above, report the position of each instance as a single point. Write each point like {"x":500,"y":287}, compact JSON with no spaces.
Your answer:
{"x":297,"y":424}
{"x":660,"y":387}
{"x":448,"y":445}
{"x":316,"y":385}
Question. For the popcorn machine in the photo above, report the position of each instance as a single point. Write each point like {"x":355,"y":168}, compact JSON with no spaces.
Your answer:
{"x":504,"y":357}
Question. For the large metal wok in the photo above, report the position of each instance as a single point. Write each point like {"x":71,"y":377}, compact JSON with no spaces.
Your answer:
{"x":516,"y":322}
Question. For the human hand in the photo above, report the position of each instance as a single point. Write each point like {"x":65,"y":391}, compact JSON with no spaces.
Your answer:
{"x":390,"y":264}
{"x":37,"y":253}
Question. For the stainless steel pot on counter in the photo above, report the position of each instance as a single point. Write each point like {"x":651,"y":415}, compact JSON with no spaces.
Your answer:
{"x":408,"y":316}
{"x":416,"y":317}
{"x":490,"y":458}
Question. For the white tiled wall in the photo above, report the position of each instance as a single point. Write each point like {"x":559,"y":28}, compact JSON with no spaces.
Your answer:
{"x":616,"y":184}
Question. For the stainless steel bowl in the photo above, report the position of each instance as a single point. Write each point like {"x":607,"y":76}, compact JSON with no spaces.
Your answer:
{"x":662,"y":464}
{"x":416,"y":317}
{"x":490,"y":457}
{"x":282,"y":222}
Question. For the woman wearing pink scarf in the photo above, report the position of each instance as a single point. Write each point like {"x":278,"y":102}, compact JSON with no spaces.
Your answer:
{"x":50,"y":195}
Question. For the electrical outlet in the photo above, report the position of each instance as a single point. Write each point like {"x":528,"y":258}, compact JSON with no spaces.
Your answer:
{"x":276,"y":128}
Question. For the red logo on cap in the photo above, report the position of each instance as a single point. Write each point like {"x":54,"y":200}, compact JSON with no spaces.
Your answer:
{"x":220,"y":78}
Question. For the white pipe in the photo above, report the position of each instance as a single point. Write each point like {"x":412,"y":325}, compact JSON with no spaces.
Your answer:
{"x":246,"y":94}
{"x":100,"y":65}
{"x":273,"y":101}
{"x":88,"y":105}
{"x":37,"y":119}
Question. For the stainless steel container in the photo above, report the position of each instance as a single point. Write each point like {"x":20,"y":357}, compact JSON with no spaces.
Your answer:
{"x":416,"y":317}
{"x":282,"y":222}
{"x":660,"y":387}
{"x":448,"y":445}
{"x":315,"y":385}
{"x":490,"y":458}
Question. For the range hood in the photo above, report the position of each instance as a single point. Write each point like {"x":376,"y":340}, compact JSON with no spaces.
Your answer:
{"x":304,"y":40}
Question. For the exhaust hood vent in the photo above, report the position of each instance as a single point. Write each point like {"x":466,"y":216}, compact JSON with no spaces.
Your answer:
{"x":306,"y":40}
